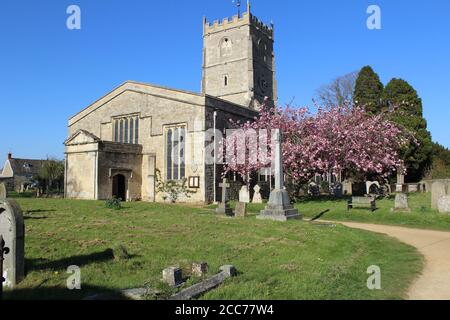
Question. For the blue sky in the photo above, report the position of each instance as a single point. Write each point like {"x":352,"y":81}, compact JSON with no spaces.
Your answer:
{"x":48,"y":73}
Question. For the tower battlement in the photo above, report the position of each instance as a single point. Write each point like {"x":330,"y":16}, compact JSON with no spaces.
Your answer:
{"x":247,"y":18}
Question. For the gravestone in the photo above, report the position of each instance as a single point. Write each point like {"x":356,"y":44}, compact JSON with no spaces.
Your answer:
{"x":241,"y":209}
{"x":173,"y":276}
{"x":313,"y":189}
{"x":401,"y":203}
{"x":413,"y":187}
{"x":13,"y":231}
{"x":257,"y":198}
{"x":444,"y":204}
{"x":244,"y":195}
{"x":3,"y":191}
{"x":279,"y":207}
{"x":371,"y":187}
{"x":438,"y":190}
{"x":347,"y":187}
{"x":337,"y":190}
{"x":224,"y":206}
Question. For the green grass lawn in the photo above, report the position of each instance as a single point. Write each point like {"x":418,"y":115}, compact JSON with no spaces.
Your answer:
{"x":421,"y":216}
{"x":294,"y":260}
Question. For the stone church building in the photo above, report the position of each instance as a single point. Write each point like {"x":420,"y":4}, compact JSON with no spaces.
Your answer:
{"x":118,"y":144}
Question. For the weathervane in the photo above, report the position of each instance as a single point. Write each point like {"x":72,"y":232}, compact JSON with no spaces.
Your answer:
{"x":238,"y":5}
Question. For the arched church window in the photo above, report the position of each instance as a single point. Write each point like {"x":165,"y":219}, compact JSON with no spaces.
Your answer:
{"x":226,"y":47}
{"x":175,"y":153}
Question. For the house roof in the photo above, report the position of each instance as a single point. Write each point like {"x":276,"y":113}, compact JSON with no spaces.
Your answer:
{"x":26,"y":166}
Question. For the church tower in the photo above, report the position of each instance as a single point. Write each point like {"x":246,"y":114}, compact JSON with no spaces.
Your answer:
{"x":239,"y":61}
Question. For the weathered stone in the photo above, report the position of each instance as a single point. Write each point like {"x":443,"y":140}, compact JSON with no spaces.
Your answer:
{"x":244,"y":195}
{"x":257,"y":198}
{"x":13,"y":231}
{"x":372,"y":187}
{"x":241,"y":209}
{"x":3,"y":191}
{"x":347,"y":187}
{"x":172,"y":276}
{"x":438,"y":190}
{"x":229,"y":270}
{"x":401,"y":203}
{"x":199,"y":269}
{"x":444,"y":204}
{"x":413,"y":187}
{"x":206,"y":285}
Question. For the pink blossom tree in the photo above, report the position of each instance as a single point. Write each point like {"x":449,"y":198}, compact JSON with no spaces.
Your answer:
{"x":333,"y":139}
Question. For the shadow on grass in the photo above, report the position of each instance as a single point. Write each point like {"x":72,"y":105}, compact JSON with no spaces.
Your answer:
{"x":87,"y":292}
{"x":63,"y":264}
{"x":323,"y":198}
{"x":39,"y":211}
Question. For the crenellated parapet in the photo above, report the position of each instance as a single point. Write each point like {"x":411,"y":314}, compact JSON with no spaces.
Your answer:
{"x":237,"y":21}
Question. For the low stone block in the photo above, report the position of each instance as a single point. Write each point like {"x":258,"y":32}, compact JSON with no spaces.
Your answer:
{"x":229,"y":270}
{"x":224,"y":209}
{"x":444,"y":204}
{"x":173,"y":276}
{"x":199,"y":269}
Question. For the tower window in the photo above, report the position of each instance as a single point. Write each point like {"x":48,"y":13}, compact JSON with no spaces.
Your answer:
{"x":225,"y":81}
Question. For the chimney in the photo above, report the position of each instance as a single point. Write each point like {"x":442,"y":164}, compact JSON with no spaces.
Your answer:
{"x":9,"y":156}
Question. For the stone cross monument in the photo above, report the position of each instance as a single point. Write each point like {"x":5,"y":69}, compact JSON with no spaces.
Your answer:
{"x":279,"y":207}
{"x":224,"y":206}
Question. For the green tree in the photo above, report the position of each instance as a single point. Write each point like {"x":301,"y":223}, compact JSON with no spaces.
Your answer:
{"x":368,"y":90}
{"x":440,"y":168}
{"x":52,"y":174}
{"x":400,"y":96}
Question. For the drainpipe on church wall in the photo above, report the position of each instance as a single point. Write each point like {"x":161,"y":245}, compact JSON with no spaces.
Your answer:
{"x":215,"y":157}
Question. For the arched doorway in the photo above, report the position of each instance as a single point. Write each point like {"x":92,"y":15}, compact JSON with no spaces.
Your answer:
{"x":119,"y":187}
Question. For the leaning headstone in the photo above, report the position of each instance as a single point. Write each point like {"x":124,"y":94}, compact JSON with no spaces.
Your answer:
{"x":444,"y":204}
{"x":199,"y":269}
{"x":244,"y":195}
{"x":241,"y":210}
{"x":13,"y":231}
{"x":257,"y":198}
{"x":438,"y":190}
{"x":224,"y":206}
{"x":172,"y":276}
{"x":3,"y":192}
{"x":279,"y":207}
{"x":401,"y":203}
